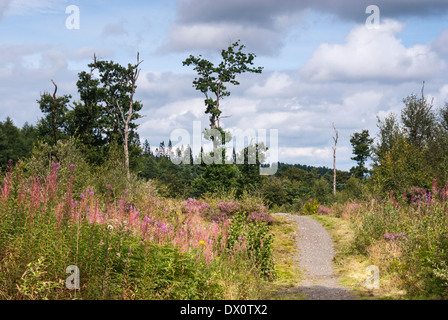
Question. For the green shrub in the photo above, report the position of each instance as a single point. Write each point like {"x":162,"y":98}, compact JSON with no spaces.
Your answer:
{"x":418,"y":231}
{"x":255,"y":237}
{"x":321,"y":190}
{"x":311,"y":207}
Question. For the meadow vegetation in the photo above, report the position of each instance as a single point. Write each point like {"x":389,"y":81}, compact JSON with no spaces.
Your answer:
{"x":79,"y":189}
{"x":128,"y":243}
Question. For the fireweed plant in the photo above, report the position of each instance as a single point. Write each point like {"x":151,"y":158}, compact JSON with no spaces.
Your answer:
{"x":145,"y":247}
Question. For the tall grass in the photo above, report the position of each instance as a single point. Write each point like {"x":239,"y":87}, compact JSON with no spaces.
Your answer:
{"x":126,"y":247}
{"x":407,"y":236}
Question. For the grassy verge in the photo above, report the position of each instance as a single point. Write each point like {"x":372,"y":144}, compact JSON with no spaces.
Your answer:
{"x":350,"y":266}
{"x":406,"y":237}
{"x":284,"y":251}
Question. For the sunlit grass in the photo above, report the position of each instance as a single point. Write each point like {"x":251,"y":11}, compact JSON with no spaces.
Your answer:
{"x":350,"y":266}
{"x":288,"y":272}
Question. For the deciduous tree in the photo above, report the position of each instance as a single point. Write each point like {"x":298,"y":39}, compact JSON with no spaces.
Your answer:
{"x":361,"y":143}
{"x":52,"y":126}
{"x":418,"y":120}
{"x":212,"y":80}
{"x":110,"y":101}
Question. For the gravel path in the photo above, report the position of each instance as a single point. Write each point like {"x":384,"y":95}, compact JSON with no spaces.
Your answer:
{"x":315,"y":256}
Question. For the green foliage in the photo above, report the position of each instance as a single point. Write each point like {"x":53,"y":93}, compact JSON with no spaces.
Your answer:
{"x":389,"y":132}
{"x":248,"y":165}
{"x":15,"y":143}
{"x":274,"y":191}
{"x":215,"y":178}
{"x":361,"y":149}
{"x":34,"y":281}
{"x":293,"y":185}
{"x":402,"y":167}
{"x":52,"y":126}
{"x":411,"y":153}
{"x":353,"y":189}
{"x":108,"y":179}
{"x":256,"y":238}
{"x":41,"y":234}
{"x":64,"y":152}
{"x":418,"y":120}
{"x":212,"y":79}
{"x":321,"y":190}
{"x":311,"y":207}
{"x":436,"y":156}
{"x":417,"y":230}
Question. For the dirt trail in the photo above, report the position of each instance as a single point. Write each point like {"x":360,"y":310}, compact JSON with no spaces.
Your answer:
{"x":315,"y":256}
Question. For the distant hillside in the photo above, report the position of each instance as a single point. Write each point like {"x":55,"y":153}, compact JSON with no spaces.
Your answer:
{"x":320,"y":171}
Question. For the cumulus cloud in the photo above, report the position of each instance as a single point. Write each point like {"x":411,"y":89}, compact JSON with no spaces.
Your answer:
{"x":265,"y":12}
{"x":83,"y":53}
{"x":276,"y":84}
{"x":216,"y":36}
{"x":373,"y":54}
{"x":264,"y":24}
{"x":27,"y":70}
{"x":440,"y":45}
{"x":260,"y":25}
{"x":307,"y":153}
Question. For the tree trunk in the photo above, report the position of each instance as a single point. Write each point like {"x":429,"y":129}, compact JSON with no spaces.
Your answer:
{"x":53,"y":111}
{"x":334,"y":159}
{"x":334,"y":172}
{"x":126,"y":152}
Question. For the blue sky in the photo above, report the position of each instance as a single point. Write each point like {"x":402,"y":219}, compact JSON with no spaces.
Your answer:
{"x":322,"y":65}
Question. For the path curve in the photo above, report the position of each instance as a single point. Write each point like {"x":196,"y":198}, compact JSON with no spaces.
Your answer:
{"x":315,"y":256}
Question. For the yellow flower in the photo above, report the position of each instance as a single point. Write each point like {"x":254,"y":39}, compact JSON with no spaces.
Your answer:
{"x":202,"y":242}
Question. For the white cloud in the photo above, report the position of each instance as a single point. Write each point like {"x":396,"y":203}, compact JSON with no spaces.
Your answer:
{"x":306,"y":152}
{"x":215,"y":36}
{"x":366,"y":99}
{"x":440,"y":44}
{"x":173,"y":115}
{"x":440,"y":97}
{"x":275,"y":85}
{"x":373,"y":54}
{"x":87,"y":52}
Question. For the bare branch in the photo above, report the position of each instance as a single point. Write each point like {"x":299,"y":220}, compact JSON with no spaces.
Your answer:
{"x":336,"y":136}
{"x":55,"y":90}
{"x":423,"y":87}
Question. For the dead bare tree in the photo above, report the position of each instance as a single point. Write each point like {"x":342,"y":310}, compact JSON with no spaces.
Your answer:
{"x":130,"y":80}
{"x":53,"y":106}
{"x":335,"y":138}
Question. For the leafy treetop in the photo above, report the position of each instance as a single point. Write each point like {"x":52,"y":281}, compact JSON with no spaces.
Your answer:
{"x":212,"y":80}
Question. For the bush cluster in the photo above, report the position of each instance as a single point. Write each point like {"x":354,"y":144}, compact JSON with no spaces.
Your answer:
{"x":411,"y":231}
